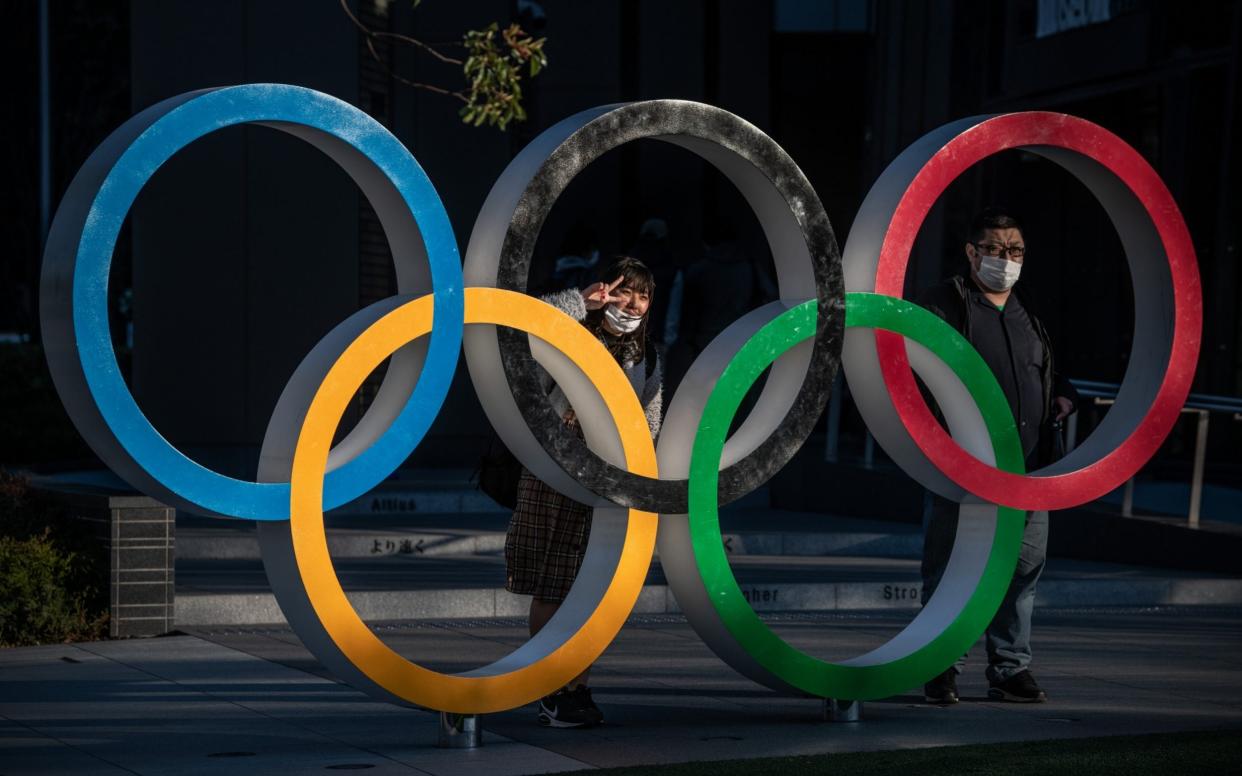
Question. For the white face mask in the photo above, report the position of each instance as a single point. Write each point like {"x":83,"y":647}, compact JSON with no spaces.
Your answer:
{"x":998,"y":274}
{"x":620,"y":320}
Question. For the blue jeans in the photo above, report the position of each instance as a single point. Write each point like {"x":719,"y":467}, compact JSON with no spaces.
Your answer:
{"x":1008,"y":637}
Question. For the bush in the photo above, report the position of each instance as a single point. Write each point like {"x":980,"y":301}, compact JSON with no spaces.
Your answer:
{"x":53,"y":573}
{"x":40,"y":604}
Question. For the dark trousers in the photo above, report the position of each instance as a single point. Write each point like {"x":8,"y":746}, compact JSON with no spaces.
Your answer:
{"x":1008,"y":637}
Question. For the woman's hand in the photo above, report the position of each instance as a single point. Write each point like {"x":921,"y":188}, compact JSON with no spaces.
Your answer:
{"x":599,"y":294}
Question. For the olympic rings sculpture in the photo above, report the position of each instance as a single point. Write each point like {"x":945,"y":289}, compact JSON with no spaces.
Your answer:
{"x":832,"y":310}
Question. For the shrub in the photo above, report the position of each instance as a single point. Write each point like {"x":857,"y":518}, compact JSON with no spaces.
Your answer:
{"x":40,"y":603}
{"x":53,"y":573}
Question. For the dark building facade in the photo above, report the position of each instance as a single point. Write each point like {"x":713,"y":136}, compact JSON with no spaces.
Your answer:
{"x":249,"y":245}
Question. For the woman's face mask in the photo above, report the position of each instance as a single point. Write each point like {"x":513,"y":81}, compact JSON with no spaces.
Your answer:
{"x":621,"y":321}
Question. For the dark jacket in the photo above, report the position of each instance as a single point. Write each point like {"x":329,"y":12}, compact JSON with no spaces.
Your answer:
{"x":950,"y":300}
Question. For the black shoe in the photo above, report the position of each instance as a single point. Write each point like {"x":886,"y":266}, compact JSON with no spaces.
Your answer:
{"x":942,"y":689}
{"x":564,"y":709}
{"x":1019,"y":688}
{"x":587,"y":704}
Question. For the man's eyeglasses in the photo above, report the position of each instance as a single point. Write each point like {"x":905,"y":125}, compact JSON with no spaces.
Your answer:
{"x":1016,"y":252}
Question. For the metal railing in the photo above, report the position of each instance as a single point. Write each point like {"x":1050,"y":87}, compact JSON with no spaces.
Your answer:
{"x":1101,"y":394}
{"x":1201,"y":405}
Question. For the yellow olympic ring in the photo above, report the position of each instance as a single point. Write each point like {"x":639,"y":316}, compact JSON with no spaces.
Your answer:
{"x":465,"y":693}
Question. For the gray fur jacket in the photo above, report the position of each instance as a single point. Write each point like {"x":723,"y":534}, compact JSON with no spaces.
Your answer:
{"x":649,"y":389}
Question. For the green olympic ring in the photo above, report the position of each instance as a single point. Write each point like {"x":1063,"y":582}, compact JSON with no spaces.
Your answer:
{"x":880,"y":673}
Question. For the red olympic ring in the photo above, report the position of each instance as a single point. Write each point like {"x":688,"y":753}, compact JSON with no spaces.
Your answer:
{"x":1059,"y":491}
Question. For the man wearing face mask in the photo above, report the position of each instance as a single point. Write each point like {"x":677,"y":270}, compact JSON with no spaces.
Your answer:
{"x":985,"y":308}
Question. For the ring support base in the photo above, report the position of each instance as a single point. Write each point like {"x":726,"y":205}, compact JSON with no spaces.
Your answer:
{"x":460,"y":731}
{"x":842,"y":711}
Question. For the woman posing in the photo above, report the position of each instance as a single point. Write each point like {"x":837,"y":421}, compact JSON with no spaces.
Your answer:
{"x":548,"y":533}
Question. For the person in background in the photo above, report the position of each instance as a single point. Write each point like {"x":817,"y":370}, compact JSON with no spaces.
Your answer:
{"x":652,"y":248}
{"x":715,"y":291}
{"x":579,"y":258}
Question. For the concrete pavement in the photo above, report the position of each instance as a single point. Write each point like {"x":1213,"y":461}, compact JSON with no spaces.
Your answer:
{"x":242,"y":701}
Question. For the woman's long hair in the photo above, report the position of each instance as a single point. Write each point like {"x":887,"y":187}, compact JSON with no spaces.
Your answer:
{"x":633,"y":347}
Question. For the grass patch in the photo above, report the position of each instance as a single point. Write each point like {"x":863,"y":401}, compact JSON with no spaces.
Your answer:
{"x":1198,"y":753}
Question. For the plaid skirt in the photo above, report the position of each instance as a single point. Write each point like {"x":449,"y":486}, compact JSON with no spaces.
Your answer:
{"x":546,"y":541}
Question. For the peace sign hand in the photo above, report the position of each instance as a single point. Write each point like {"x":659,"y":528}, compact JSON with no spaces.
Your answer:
{"x":599,"y":294}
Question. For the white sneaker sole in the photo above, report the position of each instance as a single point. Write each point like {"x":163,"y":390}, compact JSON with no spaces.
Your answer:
{"x":547,"y":720}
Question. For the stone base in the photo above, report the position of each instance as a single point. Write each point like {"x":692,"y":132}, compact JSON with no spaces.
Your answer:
{"x":139,"y":534}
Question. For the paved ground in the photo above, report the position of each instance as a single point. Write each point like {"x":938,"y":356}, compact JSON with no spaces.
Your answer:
{"x":241,"y":701}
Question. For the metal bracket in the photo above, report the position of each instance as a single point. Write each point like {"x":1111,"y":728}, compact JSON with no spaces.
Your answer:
{"x":460,"y":731}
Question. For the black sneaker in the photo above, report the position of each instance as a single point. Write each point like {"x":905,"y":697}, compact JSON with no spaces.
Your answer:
{"x":942,"y":689}
{"x":1019,"y":688}
{"x":588,"y":706}
{"x":564,"y":709}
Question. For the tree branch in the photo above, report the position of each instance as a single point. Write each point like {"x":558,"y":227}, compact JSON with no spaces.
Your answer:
{"x":414,"y":84}
{"x":416,"y":42}
{"x":373,"y":34}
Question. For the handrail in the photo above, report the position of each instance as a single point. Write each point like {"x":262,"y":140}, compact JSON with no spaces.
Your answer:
{"x":1200,"y":404}
{"x":1195,"y":401}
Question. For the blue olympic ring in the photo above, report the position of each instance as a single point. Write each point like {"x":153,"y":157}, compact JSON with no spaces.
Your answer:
{"x":139,"y":148}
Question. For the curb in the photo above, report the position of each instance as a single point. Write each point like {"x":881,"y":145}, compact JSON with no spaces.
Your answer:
{"x":221,"y":545}
{"x":349,"y":544}
{"x":414,"y":500}
{"x":901,"y":594}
